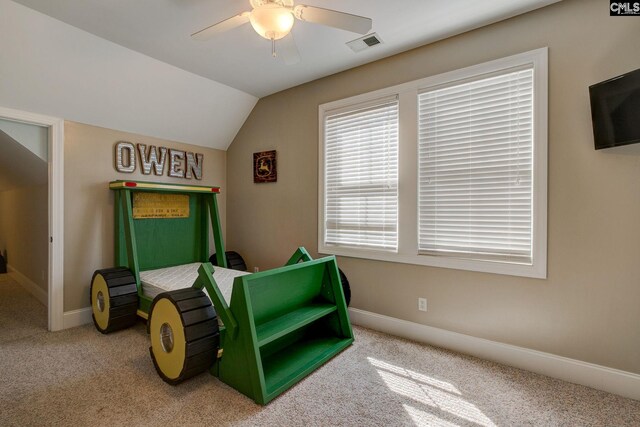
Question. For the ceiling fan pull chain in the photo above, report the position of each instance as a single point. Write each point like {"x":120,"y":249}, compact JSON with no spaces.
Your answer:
{"x":273,"y":47}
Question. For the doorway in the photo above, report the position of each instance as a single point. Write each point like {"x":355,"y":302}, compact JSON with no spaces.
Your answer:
{"x":52,"y":276}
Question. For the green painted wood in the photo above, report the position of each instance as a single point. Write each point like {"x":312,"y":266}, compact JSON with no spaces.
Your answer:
{"x":158,"y":187}
{"x":276,"y":292}
{"x":206,"y":280}
{"x":217,"y":231}
{"x":249,"y":338}
{"x":289,"y":322}
{"x":239,"y":366}
{"x":146,"y":244}
{"x":291,"y":310}
{"x":332,"y":290}
{"x":204,"y":227}
{"x":144,"y":303}
{"x":120,"y":243}
{"x":130,"y":235}
{"x":300,"y":255}
{"x":117,"y":227}
{"x":165,"y":242}
{"x":284,"y":369}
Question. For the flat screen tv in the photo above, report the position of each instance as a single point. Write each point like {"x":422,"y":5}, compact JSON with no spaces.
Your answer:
{"x":615,"y":110}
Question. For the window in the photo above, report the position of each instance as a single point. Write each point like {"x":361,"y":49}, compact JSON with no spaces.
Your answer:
{"x":361,"y":176}
{"x":447,"y":171}
{"x":475,"y":168}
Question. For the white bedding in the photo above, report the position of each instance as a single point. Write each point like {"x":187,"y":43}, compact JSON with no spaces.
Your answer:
{"x":182,"y":276}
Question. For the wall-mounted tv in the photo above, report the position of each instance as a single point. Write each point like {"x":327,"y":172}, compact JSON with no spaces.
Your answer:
{"x":615,"y":110}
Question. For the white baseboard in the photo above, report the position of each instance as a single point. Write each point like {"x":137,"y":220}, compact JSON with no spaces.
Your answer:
{"x":611,"y":380}
{"x":29,"y":285}
{"x":75,"y":318}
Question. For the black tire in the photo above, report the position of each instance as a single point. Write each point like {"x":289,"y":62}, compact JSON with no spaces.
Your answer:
{"x":234,"y":261}
{"x":114,"y":299}
{"x":183,"y":326}
{"x":346,"y":289}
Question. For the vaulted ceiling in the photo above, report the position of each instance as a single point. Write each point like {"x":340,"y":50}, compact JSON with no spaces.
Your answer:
{"x":241,"y":59}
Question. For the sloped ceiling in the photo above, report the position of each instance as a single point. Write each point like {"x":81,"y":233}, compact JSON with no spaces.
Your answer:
{"x":132,"y":66}
{"x":19,"y":167}
{"x":52,"y":68}
{"x":241,"y":59}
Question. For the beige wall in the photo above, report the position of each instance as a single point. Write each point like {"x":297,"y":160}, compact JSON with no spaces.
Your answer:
{"x":24,"y":225}
{"x":88,"y":202}
{"x":588,"y":308}
{"x":3,"y":227}
{"x":3,"y":240}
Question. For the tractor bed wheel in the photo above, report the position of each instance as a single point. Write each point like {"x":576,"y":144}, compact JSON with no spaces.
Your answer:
{"x":114,"y":299}
{"x":346,"y":289}
{"x":184,"y":334}
{"x":234,"y":261}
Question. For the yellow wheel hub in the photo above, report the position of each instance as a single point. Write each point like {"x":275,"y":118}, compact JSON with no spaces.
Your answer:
{"x":100,"y":301}
{"x":168,"y":342}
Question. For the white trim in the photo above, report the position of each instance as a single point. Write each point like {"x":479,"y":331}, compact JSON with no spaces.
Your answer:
{"x":78,"y":317}
{"x":28,"y":284}
{"x":56,"y":208}
{"x":611,"y":380}
{"x":407,"y":185}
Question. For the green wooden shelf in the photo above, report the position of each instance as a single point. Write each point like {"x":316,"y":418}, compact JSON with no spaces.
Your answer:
{"x":296,"y":319}
{"x":289,"y":321}
{"x":285,"y":368}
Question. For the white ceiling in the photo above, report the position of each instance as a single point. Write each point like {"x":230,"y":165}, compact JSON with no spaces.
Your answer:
{"x":241,"y":59}
{"x":19,"y":167}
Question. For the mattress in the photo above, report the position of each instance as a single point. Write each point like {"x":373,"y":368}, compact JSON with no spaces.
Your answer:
{"x":183,"y":276}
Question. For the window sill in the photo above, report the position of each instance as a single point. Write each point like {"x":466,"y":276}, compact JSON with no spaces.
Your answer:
{"x":537,"y":271}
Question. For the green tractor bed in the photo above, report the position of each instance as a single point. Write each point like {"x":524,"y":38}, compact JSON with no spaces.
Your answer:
{"x":260,"y":333}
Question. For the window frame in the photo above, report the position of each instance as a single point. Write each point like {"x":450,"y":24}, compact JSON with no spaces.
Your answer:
{"x":354,"y":108}
{"x":408,"y":228}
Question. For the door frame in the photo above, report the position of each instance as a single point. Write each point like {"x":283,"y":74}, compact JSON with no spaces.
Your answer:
{"x":55,"y":160}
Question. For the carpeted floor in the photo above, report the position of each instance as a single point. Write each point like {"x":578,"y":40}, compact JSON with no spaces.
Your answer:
{"x":21,"y":315}
{"x":80,"y":377}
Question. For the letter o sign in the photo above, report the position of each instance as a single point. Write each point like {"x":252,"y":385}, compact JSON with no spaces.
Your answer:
{"x":125,"y":157}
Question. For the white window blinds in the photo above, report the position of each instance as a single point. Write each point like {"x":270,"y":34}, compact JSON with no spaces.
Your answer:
{"x":475,"y":168}
{"x":361,"y":176}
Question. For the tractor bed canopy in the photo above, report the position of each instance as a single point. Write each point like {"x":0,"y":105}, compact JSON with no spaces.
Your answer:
{"x":161,"y":225}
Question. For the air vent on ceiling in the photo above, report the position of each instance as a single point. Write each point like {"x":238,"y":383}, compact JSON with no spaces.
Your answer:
{"x":364,"y":42}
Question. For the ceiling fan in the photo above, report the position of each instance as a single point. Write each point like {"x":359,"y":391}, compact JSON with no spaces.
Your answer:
{"x":273,"y":20}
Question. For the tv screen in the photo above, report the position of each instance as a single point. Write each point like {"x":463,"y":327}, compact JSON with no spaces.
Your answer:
{"x":615,"y":110}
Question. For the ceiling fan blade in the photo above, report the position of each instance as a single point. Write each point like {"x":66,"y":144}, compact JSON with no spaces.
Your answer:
{"x":227,"y":24}
{"x":333,"y":18}
{"x":286,"y":49}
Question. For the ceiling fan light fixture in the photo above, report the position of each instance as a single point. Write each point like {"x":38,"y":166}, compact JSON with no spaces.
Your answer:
{"x":271,"y":21}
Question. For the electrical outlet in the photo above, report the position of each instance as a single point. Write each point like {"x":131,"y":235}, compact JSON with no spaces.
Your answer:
{"x":422,"y":304}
